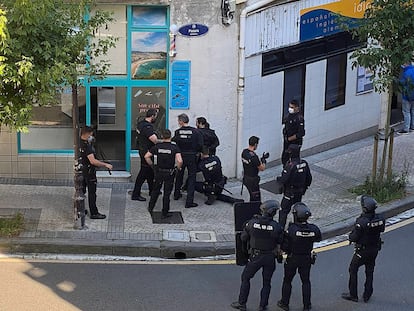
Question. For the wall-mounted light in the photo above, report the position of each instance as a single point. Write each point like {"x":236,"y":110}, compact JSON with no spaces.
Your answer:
{"x":228,"y":8}
{"x":173,"y":34}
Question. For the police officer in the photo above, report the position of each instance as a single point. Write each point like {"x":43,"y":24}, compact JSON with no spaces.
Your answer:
{"x":298,"y":245}
{"x":166,"y":160}
{"x":146,"y":139}
{"x":366,"y":237}
{"x":293,"y":130}
{"x":190,"y":142}
{"x":251,"y":167}
{"x":296,"y":178}
{"x":214,"y":180}
{"x":262,"y":237}
{"x":89,"y":164}
{"x":210,"y":138}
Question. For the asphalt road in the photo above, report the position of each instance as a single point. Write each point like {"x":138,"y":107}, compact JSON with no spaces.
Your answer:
{"x":182,"y":286}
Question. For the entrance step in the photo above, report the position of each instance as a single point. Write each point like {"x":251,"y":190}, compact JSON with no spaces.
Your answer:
{"x":115,"y":177}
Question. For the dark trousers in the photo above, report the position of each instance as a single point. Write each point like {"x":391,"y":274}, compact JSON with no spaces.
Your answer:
{"x":200,"y":187}
{"x":268,"y":265}
{"x":146,"y":173}
{"x":189,"y":163}
{"x":301,"y":264}
{"x":363,"y":257}
{"x":285,"y":206}
{"x":252,"y":185}
{"x":161,"y":178}
{"x":89,"y":182}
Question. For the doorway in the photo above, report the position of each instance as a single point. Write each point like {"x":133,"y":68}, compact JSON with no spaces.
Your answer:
{"x":108,"y":118}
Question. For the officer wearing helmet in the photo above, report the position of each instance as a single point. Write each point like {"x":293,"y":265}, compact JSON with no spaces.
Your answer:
{"x":296,"y":178}
{"x":262,"y":237}
{"x":298,"y":245}
{"x":366,"y":238}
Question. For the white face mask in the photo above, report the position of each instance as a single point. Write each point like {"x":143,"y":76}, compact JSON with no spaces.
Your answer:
{"x":291,"y":110}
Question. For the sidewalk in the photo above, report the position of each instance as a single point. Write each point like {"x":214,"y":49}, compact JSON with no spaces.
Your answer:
{"x":207,"y":230}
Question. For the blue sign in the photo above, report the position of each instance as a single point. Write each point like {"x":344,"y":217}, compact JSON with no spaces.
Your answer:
{"x":193,"y":30}
{"x":180,"y":85}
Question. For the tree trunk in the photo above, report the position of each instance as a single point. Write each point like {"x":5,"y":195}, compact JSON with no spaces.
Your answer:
{"x":386,"y":137}
{"x":79,"y":196}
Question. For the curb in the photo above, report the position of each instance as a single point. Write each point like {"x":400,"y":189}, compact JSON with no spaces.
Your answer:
{"x":165,"y":249}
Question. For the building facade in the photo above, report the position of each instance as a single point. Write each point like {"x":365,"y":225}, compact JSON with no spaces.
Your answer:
{"x":237,"y":63}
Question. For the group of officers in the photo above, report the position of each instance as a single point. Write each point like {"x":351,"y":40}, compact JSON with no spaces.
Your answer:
{"x":164,"y":159}
{"x":265,"y":240}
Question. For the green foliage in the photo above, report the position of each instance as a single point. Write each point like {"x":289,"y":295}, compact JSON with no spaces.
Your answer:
{"x":11,"y":226}
{"x":385,"y":190}
{"x":44,"y":46}
{"x":388,"y":28}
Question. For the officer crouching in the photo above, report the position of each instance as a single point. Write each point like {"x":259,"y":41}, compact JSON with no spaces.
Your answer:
{"x":298,"y":245}
{"x":366,"y":238}
{"x":214,"y":180}
{"x":262,"y":237}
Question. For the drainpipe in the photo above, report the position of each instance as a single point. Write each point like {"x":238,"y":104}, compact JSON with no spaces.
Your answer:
{"x":240,"y":87}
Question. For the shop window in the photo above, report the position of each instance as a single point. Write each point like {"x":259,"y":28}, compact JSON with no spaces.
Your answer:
{"x":51,"y":127}
{"x":335,"y":81}
{"x":144,"y":98}
{"x":294,"y":87}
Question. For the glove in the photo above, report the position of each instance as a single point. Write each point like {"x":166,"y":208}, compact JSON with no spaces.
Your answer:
{"x":313,"y":258}
{"x":264,"y":157}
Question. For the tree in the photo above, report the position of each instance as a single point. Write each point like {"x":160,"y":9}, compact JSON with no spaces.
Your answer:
{"x":388,"y":29}
{"x":48,"y":45}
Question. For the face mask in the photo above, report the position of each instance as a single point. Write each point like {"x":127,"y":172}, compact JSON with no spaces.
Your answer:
{"x":91,"y":139}
{"x":291,"y":110}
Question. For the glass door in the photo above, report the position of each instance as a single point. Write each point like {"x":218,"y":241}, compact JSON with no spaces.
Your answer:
{"x":108,"y":117}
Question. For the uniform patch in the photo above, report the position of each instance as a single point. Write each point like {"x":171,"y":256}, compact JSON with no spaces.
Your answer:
{"x":305,"y":234}
{"x":263,"y":227}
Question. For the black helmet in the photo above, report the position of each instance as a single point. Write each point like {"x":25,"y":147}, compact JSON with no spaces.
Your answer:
{"x":368,"y":204}
{"x":301,"y":212}
{"x":269,"y":208}
{"x":294,"y":150}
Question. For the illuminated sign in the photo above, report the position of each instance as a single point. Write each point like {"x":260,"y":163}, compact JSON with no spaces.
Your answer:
{"x":320,"y":21}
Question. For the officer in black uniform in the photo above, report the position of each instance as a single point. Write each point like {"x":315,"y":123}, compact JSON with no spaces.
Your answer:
{"x":190,"y":142}
{"x":251,"y":167}
{"x":166,"y":159}
{"x":298,"y":245}
{"x":262,"y":237}
{"x":89,"y":164}
{"x":296,"y":178}
{"x":294,"y":129}
{"x":366,"y":237}
{"x":210,"y":138}
{"x":214,"y":180}
{"x":146,"y":139}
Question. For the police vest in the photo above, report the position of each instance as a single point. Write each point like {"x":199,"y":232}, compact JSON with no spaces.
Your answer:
{"x":262,"y":232}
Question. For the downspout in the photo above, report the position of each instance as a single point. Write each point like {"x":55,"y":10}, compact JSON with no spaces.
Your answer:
{"x":240,"y":87}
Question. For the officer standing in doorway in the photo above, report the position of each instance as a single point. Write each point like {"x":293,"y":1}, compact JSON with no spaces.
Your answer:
{"x":366,"y":238}
{"x":166,"y":159}
{"x":298,"y":245}
{"x":190,"y":142}
{"x":251,"y":167}
{"x":89,"y":164}
{"x":294,"y":129}
{"x":214,"y":180}
{"x":146,"y":139}
{"x":262,"y":237}
{"x":296,"y":178}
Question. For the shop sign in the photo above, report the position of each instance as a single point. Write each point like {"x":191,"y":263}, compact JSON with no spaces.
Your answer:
{"x":193,"y":30}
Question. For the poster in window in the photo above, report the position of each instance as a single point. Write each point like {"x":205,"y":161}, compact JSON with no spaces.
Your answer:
{"x":149,"y":55}
{"x":149,"y":16}
{"x":364,"y":80}
{"x":144,"y":98}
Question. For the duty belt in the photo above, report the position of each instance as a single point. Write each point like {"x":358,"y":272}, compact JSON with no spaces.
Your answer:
{"x":164,"y":170}
{"x":255,"y":251}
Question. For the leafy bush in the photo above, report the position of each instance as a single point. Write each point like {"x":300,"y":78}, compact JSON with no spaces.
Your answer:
{"x":11,"y":226}
{"x":385,"y":190}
